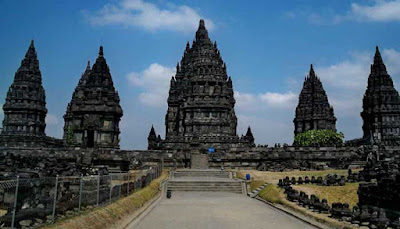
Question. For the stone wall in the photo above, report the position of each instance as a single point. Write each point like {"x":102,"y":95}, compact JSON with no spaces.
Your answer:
{"x":262,"y":158}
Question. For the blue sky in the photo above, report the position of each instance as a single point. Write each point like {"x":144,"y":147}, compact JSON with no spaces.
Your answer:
{"x":267,"y":45}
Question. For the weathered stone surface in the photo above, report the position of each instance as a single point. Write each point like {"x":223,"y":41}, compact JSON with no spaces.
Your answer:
{"x":25,"y":223}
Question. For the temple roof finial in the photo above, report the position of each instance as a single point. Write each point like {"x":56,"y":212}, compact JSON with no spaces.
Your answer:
{"x":101,"y":51}
{"x":202,"y":33}
{"x":312,"y":73}
{"x":201,"y":24}
{"x":378,"y":57}
{"x":88,"y":66}
{"x":152,"y":132}
{"x":31,"y":53}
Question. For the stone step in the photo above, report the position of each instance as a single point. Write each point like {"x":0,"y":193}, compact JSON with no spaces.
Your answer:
{"x":219,"y":174}
{"x":202,"y":175}
{"x":205,"y":184}
{"x":206,"y":189}
{"x":202,"y":185}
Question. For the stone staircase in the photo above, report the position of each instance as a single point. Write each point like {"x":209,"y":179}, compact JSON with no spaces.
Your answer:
{"x":199,"y":161}
{"x":204,"y":181}
{"x":201,"y":173}
{"x":205,"y":186}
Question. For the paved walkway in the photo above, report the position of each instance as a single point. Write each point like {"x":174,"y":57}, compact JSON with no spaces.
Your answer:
{"x":211,"y":210}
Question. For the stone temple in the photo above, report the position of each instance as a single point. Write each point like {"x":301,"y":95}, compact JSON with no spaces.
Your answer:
{"x":93,"y":115}
{"x":313,"y":111}
{"x":381,"y":106}
{"x":201,"y":104}
{"x":25,"y":107}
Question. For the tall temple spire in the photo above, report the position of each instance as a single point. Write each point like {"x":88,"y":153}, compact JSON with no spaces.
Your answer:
{"x":152,"y":132}
{"x":378,"y":67}
{"x":84,"y":76}
{"x":381,"y":106}
{"x":313,"y":111}
{"x":25,"y":107}
{"x":154,"y":141}
{"x":249,"y":133}
{"x":312,"y":73}
{"x":88,"y":66}
{"x":101,"y":51}
{"x":201,"y":102}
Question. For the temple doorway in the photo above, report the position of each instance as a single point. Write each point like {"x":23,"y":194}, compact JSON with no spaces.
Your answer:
{"x":90,"y":138}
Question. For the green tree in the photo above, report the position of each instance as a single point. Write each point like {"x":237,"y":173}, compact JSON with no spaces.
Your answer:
{"x":319,"y":138}
{"x":70,"y":135}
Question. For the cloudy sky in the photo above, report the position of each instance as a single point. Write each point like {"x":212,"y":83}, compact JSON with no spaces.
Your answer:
{"x":268,"y":47}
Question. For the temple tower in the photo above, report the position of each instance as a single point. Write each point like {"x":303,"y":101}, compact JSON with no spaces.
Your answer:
{"x":25,"y":107}
{"x":313,"y":111}
{"x":154,"y":141}
{"x":201,"y":104}
{"x":381,"y":106}
{"x":93,"y":115}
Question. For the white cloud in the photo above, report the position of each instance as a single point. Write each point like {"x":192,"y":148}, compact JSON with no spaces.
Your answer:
{"x":269,"y":114}
{"x":52,"y":119}
{"x":381,"y":11}
{"x":245,"y":101}
{"x":392,"y":60}
{"x":350,"y":74}
{"x":275,"y":99}
{"x":148,"y":16}
{"x":54,"y":126}
{"x":154,"y":81}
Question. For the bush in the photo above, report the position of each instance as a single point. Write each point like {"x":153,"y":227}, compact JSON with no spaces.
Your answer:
{"x":319,"y":138}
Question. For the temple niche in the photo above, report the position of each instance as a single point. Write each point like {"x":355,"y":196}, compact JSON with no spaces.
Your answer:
{"x":381,"y":106}
{"x":201,"y":104}
{"x":313,"y":111}
{"x":93,"y":115}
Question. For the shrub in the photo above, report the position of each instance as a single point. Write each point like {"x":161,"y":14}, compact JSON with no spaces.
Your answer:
{"x":319,"y":138}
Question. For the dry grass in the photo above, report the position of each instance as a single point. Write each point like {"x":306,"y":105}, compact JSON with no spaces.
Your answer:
{"x":343,"y":194}
{"x":273,"y":177}
{"x":273,"y":194}
{"x":255,"y":184}
{"x":108,"y":216}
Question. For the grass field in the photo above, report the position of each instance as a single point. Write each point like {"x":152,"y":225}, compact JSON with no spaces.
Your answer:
{"x":273,"y":177}
{"x":273,"y":194}
{"x":347,"y":193}
{"x":343,"y":194}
